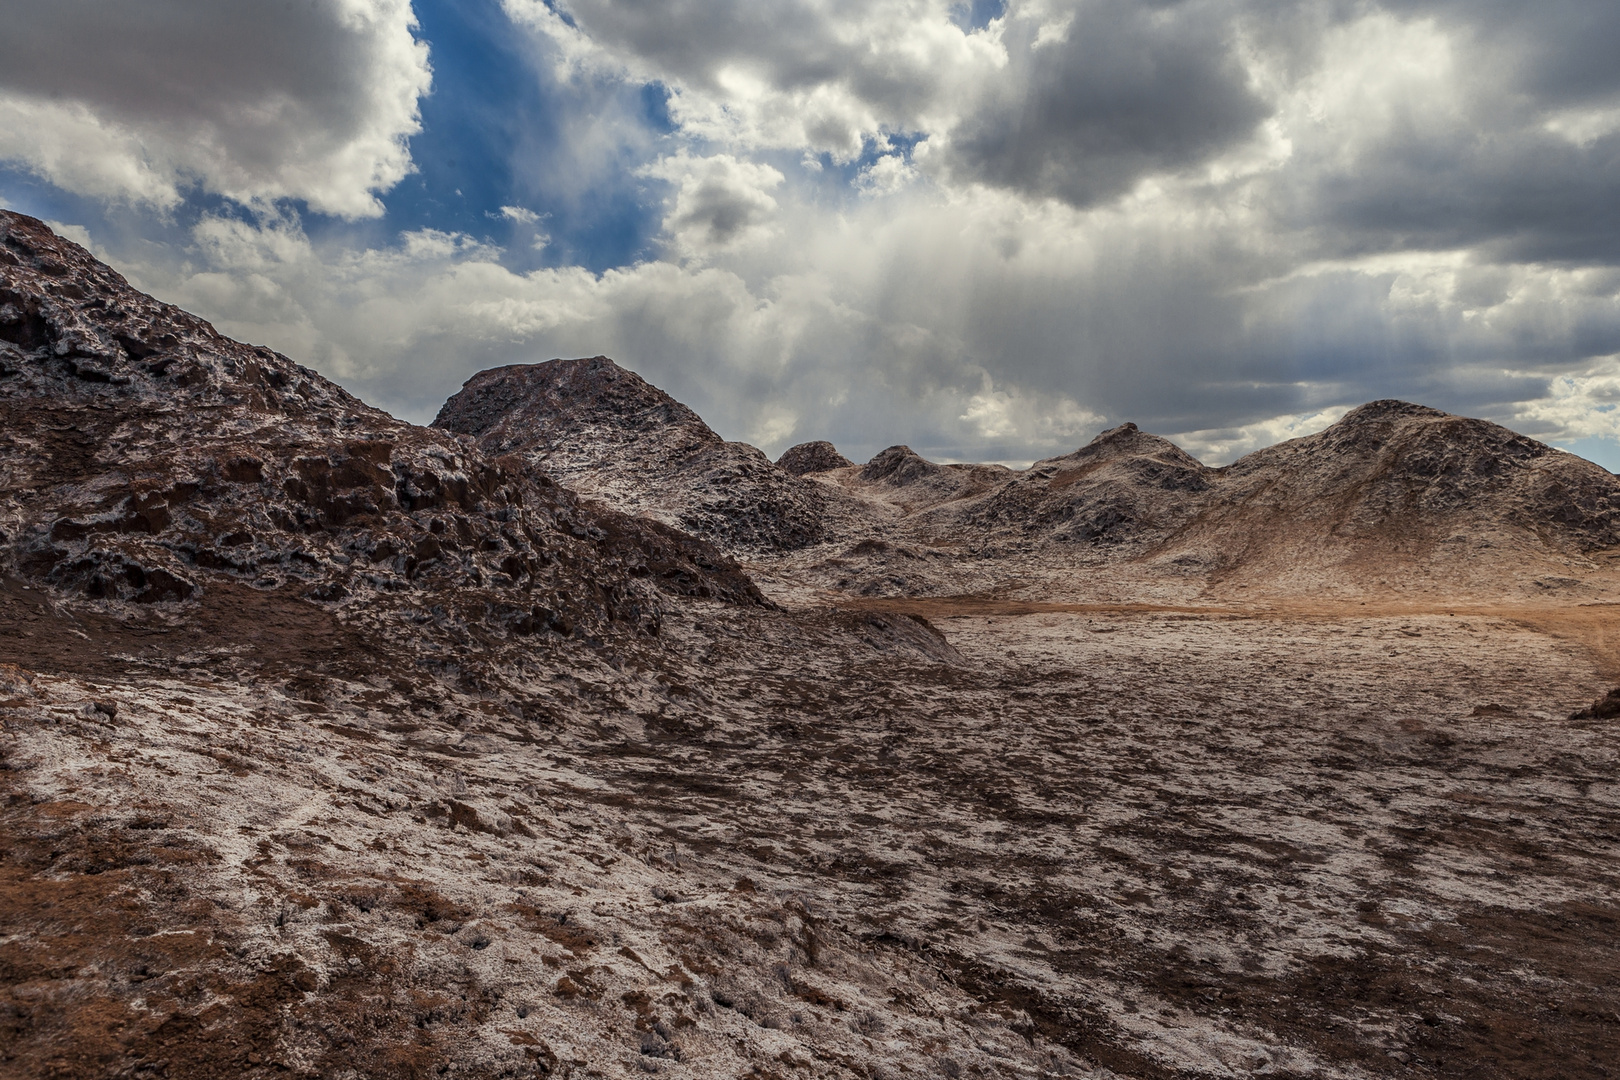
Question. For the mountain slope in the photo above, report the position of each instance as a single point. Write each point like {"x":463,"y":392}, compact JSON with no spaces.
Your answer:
{"x":298,"y":705}
{"x":1125,"y":485}
{"x":331,"y":746}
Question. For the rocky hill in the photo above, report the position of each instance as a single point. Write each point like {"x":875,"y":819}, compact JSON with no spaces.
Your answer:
{"x":1401,"y":492}
{"x":901,"y":477}
{"x":1124,"y":486}
{"x":812,"y":457}
{"x":290,"y":697}
{"x":149,"y":459}
{"x":606,"y":433}
{"x":1394,"y":495}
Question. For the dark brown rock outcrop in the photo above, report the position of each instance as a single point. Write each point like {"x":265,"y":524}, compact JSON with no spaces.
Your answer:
{"x":812,"y":457}
{"x":607,"y":433}
{"x":148,"y":457}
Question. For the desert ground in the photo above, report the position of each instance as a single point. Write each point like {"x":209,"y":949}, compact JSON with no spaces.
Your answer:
{"x":1066,"y":839}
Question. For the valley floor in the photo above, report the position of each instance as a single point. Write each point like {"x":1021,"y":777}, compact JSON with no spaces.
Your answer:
{"x":1143,"y":840}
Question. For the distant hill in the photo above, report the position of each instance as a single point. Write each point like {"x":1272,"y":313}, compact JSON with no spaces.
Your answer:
{"x":1395,"y":487}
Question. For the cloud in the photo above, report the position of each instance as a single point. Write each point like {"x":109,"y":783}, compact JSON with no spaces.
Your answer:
{"x":1015,"y":334}
{"x":1222,"y":446}
{"x":829,"y":76}
{"x":1444,"y":130}
{"x":885,"y":176}
{"x":519,"y":215}
{"x":1100,"y":93}
{"x":256,"y":100}
{"x":719,"y":204}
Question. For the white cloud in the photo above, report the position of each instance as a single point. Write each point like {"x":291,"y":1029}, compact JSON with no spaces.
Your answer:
{"x":72,"y":147}
{"x":256,"y":101}
{"x":885,"y":176}
{"x":720,"y":203}
{"x":1222,"y":446}
{"x":829,"y":76}
{"x":1036,"y":422}
{"x":1578,"y":405}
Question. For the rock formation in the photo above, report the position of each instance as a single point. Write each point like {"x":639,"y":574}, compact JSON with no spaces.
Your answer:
{"x":1392,"y":494}
{"x":1124,"y":486}
{"x":1392,"y":478}
{"x":812,"y":457}
{"x":605,"y":432}
{"x":149,"y":459}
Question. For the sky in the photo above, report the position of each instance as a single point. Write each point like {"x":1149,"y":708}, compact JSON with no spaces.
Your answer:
{"x":987,"y":229}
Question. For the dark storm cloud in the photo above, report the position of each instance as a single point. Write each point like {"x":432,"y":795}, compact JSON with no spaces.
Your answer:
{"x":150,"y":60}
{"x":1558,"y":51}
{"x":1518,"y":194}
{"x":1125,"y":90}
{"x":1503,"y":165}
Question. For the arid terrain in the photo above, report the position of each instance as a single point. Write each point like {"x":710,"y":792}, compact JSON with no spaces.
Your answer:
{"x":565,"y":738}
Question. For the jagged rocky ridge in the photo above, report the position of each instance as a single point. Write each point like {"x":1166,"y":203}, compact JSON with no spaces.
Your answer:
{"x":146,"y":456}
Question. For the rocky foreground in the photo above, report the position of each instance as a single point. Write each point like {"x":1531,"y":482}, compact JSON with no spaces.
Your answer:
{"x":566,"y":739}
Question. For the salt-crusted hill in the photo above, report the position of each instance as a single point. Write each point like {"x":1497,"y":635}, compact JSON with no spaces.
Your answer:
{"x":1400,"y":489}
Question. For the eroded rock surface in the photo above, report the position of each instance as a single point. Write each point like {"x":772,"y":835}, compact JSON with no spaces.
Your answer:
{"x":812,"y":457}
{"x":146,"y":455}
{"x":1126,"y":486}
{"x":1399,"y":489}
{"x":1393,"y":497}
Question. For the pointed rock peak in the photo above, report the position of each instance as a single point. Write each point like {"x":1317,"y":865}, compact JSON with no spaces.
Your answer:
{"x":1387,"y":409}
{"x":812,"y":457}
{"x":898,"y":465}
{"x":1129,"y":441}
{"x":563,"y":395}
{"x":1115,"y":433}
